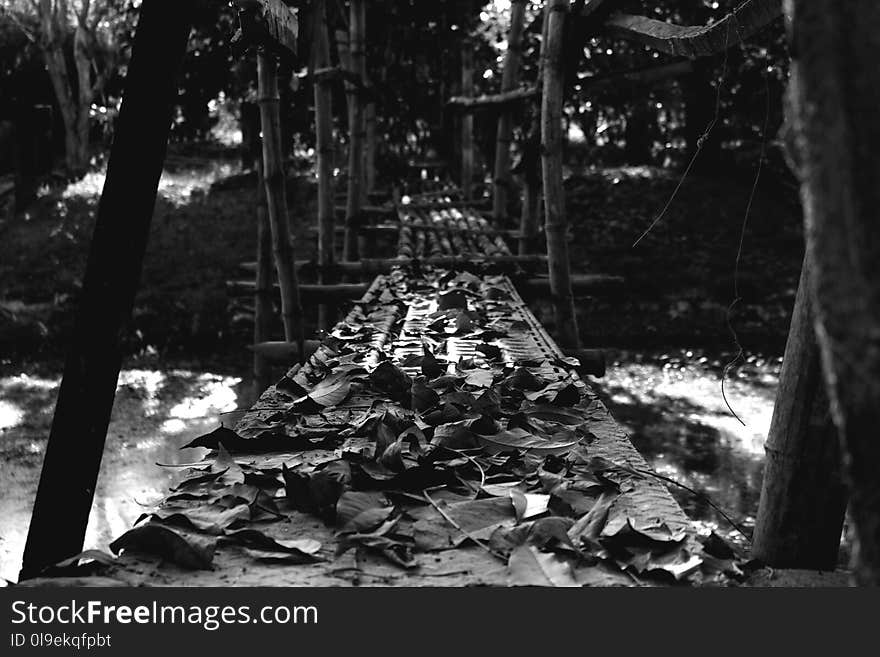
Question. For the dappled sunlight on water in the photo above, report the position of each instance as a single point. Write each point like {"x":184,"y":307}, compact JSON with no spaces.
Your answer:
{"x":672,"y":407}
{"x":155,"y":413}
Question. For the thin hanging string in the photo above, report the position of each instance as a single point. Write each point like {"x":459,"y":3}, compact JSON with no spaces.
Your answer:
{"x":700,"y":141}
{"x":736,"y":295}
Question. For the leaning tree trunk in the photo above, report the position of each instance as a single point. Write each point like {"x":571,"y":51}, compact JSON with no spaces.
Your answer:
{"x":122,"y":226}
{"x":324,"y":150}
{"x":803,"y":498}
{"x":276,"y":199}
{"x":556,"y":225}
{"x":504,"y":132}
{"x":356,"y":128}
{"x":834,"y":97}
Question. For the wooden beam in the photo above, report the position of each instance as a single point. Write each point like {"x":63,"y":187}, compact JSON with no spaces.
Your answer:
{"x":312,"y":293}
{"x":696,"y":40}
{"x":469,"y":104}
{"x":580,"y":284}
{"x":284,"y":352}
{"x":268,"y":24}
{"x":641,"y":75}
{"x":367,"y":209}
{"x":91,"y":371}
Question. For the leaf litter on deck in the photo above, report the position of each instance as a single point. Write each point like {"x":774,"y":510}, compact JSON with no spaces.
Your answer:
{"x":413,"y":436}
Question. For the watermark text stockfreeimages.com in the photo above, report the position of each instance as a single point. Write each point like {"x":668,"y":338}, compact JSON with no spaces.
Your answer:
{"x":210,"y":617}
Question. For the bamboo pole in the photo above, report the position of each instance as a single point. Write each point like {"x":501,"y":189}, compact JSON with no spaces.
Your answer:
{"x":504,"y":131}
{"x":122,"y":226}
{"x":263,"y":285}
{"x":324,"y":152}
{"x":467,"y":121}
{"x":556,"y":224}
{"x":276,"y":197}
{"x":369,"y":142}
{"x":356,"y":127}
{"x":344,"y":55}
{"x":531,"y":165}
{"x":803,"y":498}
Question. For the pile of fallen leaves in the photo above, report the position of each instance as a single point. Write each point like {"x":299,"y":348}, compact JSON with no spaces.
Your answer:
{"x":405,"y":452}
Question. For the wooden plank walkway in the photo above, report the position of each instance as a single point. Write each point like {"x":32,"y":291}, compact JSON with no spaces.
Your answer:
{"x":437,"y":437}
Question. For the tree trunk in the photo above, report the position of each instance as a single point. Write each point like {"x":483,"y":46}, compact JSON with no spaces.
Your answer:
{"x":73,"y":87}
{"x":803,"y":499}
{"x":75,"y":149}
{"x":467,"y":121}
{"x":356,"y":128}
{"x":122,"y":226}
{"x":276,"y":198}
{"x":834,"y":94}
{"x":556,"y":224}
{"x":504,"y":131}
{"x":324,"y":150}
{"x":83,"y":64}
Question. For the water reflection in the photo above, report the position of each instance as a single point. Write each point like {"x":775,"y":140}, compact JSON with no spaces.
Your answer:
{"x":155,"y":412}
{"x":672,"y":407}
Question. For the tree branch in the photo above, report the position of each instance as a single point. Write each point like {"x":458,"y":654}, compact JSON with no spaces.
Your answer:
{"x":696,"y":40}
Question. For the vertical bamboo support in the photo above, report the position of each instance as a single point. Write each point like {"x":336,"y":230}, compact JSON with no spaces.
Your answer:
{"x":119,"y":242}
{"x":369,"y":141}
{"x":357,"y":25}
{"x":324,"y":150}
{"x":262,"y":286}
{"x":556,"y":224}
{"x":276,"y":198}
{"x":803,"y":499}
{"x":343,"y":53}
{"x":504,"y":131}
{"x":528,"y":226}
{"x":467,"y":120}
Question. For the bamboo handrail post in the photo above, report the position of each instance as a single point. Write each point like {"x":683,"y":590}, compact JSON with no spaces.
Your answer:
{"x":556,"y":225}
{"x":504,"y":130}
{"x":276,"y":196}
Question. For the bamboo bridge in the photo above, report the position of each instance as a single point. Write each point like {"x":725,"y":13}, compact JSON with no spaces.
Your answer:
{"x":437,"y":435}
{"x":432,"y":426}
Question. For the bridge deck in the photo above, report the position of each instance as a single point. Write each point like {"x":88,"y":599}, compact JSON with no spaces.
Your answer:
{"x":437,"y":437}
